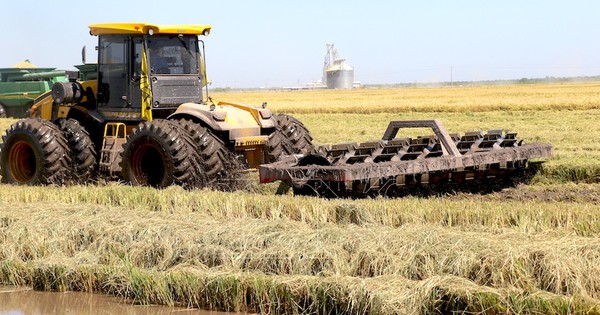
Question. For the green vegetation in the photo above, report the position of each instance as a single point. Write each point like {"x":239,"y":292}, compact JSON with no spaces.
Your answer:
{"x":530,"y":249}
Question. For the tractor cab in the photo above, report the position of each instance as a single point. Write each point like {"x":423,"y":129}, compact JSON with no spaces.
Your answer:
{"x":146,"y":67}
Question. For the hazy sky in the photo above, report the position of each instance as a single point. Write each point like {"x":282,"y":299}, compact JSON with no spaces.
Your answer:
{"x":282,"y":43}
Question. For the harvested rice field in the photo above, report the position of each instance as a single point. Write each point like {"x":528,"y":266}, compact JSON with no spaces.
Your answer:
{"x":531,"y":249}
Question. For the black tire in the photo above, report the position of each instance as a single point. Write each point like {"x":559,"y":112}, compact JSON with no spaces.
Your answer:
{"x":210,"y":148}
{"x":278,"y":146}
{"x":296,"y":132}
{"x":35,"y":152}
{"x":83,"y":151}
{"x":222,"y":167}
{"x":2,"y":111}
{"x":157,"y":154}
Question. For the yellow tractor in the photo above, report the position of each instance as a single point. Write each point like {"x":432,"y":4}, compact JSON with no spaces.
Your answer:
{"x":143,"y":113}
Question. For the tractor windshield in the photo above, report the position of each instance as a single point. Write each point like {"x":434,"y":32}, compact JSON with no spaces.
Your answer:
{"x":173,"y":54}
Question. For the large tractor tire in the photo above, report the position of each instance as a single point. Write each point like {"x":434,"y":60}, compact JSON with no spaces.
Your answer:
{"x":35,"y":152}
{"x":158,"y":154}
{"x":278,"y":146}
{"x":83,"y":152}
{"x":290,"y":137}
{"x":221,"y":166}
{"x":296,"y":133}
{"x":210,"y":148}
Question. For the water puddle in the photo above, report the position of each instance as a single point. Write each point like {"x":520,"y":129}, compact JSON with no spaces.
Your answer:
{"x":23,"y":301}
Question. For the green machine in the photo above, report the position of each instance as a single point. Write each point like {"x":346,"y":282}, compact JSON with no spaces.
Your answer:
{"x":22,"y":83}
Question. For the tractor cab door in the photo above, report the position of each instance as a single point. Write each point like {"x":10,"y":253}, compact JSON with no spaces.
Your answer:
{"x":135,"y":92}
{"x":119,"y":68}
{"x":174,"y":71}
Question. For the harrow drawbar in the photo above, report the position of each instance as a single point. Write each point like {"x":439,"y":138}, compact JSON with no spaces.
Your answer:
{"x":392,"y":165}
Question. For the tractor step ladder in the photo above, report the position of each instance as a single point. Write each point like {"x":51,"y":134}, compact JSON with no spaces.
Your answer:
{"x":115,"y":135}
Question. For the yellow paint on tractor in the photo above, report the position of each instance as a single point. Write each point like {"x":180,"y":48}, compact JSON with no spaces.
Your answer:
{"x":43,"y":105}
{"x":145,"y":88}
{"x":144,"y":28}
{"x":255,"y":112}
{"x":236,"y":118}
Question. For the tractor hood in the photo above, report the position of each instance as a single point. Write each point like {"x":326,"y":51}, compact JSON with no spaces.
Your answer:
{"x":238,"y":120}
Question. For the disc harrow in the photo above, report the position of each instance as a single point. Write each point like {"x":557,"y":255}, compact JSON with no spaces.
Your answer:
{"x":396,"y":166}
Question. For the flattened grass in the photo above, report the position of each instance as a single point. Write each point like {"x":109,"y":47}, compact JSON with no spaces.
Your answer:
{"x":300,"y":294}
{"x":529,"y":209}
{"x":220,"y":261}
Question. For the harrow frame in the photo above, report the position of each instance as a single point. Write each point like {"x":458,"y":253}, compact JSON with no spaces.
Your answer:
{"x":355,"y":169}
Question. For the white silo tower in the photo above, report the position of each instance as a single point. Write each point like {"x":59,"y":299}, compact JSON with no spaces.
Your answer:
{"x":337,"y":74}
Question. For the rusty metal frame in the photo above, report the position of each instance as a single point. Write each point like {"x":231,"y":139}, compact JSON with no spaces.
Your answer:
{"x":287,"y":170}
{"x":451,"y":160}
{"x":448,"y":146}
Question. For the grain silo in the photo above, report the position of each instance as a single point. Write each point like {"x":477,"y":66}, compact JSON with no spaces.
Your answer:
{"x":337,"y":74}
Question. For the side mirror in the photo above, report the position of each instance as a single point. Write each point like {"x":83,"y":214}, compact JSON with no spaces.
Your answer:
{"x":83,"y":55}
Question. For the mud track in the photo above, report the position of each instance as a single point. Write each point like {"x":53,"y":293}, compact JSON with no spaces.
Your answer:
{"x":568,"y":193}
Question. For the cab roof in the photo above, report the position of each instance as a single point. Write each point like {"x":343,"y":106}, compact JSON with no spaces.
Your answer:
{"x":144,"y":28}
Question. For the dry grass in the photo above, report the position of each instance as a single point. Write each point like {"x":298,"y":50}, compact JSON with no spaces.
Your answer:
{"x":200,"y":259}
{"x":533,"y":249}
{"x":531,"y":97}
{"x":525,"y":209}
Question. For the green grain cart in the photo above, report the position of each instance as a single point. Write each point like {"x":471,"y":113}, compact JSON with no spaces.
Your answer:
{"x":22,"y":83}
